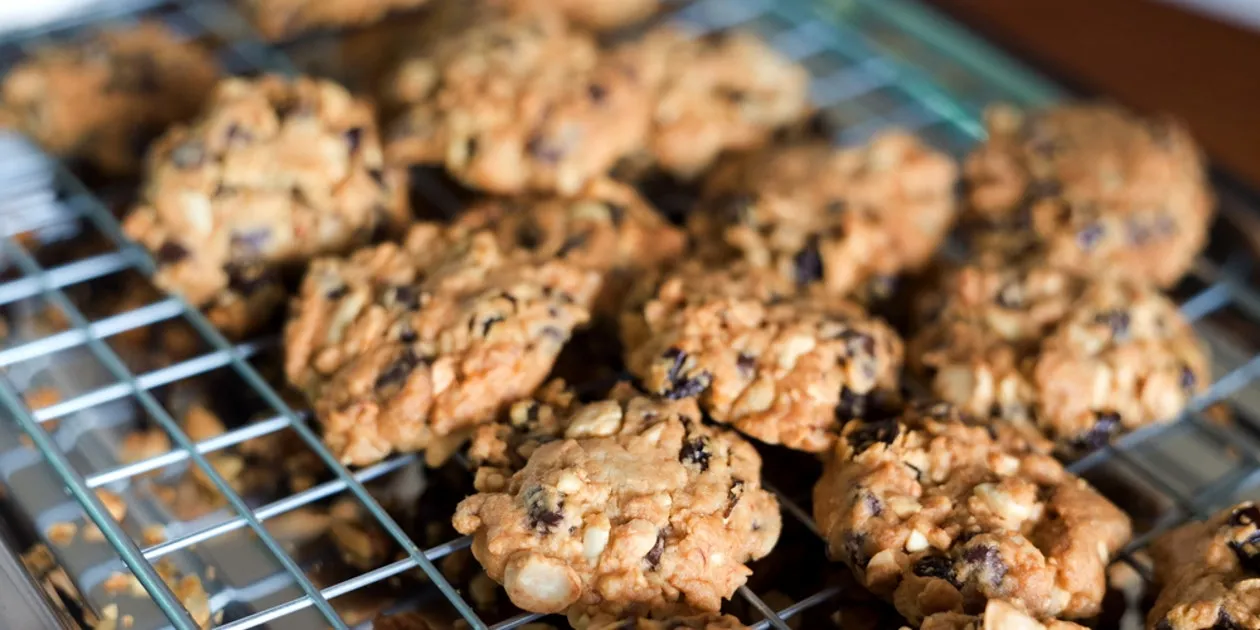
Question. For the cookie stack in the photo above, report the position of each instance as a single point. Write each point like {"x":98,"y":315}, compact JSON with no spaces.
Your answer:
{"x":640,"y":504}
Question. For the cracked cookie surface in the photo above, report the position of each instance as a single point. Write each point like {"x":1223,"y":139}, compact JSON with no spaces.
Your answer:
{"x":1079,"y":359}
{"x":1210,"y":572}
{"x":400,"y":347}
{"x":783,"y":368}
{"x":722,"y":92}
{"x":640,"y":509}
{"x":844,"y":219}
{"x":938,"y":515}
{"x":274,"y":172}
{"x":519,"y":103}
{"x":105,"y":98}
{"x":1101,"y":189}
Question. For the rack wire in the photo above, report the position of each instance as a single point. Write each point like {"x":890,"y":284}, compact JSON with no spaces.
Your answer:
{"x":876,"y":63}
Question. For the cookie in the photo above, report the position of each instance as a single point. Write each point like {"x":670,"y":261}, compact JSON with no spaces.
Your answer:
{"x":102,"y":100}
{"x":1097,"y":187}
{"x":783,"y":368}
{"x":519,"y":103}
{"x":1079,"y":359}
{"x":847,"y":219}
{"x":601,"y":16}
{"x":723,"y":92}
{"x":997,"y":615}
{"x":641,"y":509}
{"x":281,"y":19}
{"x":938,"y":514}
{"x":274,"y":172}
{"x":1209,"y":572}
{"x":607,"y":227}
{"x":402,"y":347}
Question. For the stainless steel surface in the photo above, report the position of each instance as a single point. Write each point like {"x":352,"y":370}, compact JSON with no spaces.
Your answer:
{"x":877,"y":63}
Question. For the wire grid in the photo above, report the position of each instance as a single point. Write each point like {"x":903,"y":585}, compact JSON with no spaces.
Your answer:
{"x":863,"y":69}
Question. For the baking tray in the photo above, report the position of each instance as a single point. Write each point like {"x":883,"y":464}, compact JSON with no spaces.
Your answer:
{"x":81,"y":321}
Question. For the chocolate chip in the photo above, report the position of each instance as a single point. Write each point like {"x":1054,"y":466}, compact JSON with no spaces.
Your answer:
{"x":852,"y":405}
{"x":681,"y":386}
{"x":354,"y":137}
{"x":338,"y":292}
{"x":653,"y":556}
{"x":545,"y":151}
{"x":171,"y":252}
{"x":190,"y":154}
{"x":872,"y":432}
{"x":855,"y":551}
{"x":808,"y":263}
{"x":988,"y":561}
{"x":1187,"y":380}
{"x":732,"y":496}
{"x":542,"y":516}
{"x":939,"y":567}
{"x":1089,"y":236}
{"x":1106,"y":423}
{"x":399,"y":370}
{"x":597,"y":92}
{"x":573,"y":242}
{"x":695,"y":452}
{"x":746,"y":364}
{"x":1117,"y":320}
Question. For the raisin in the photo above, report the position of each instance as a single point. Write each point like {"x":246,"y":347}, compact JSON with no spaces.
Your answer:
{"x":248,"y":279}
{"x":398,"y":371}
{"x":542,"y":517}
{"x":407,"y":335}
{"x":1249,"y":515}
{"x":354,"y":137}
{"x":681,"y":386}
{"x":1043,"y":188}
{"x":746,"y":364}
{"x":1225,"y":622}
{"x":732,"y":496}
{"x":988,"y":561}
{"x":855,"y":551}
{"x":1117,"y":320}
{"x":1138,"y":233}
{"x":377,"y":176}
{"x":851,"y":405}
{"x":249,"y":244}
{"x":1106,"y":423}
{"x":808,"y":263}
{"x":546,"y":152}
{"x":836,"y":206}
{"x":406,"y":296}
{"x":858,"y":342}
{"x":1089,"y":236}
{"x":573,"y":242}
{"x":873,"y":505}
{"x":190,"y":154}
{"x":528,"y":234}
{"x":875,"y":431}
{"x":489,"y":323}
{"x":616,"y":213}
{"x":338,"y":292}
{"x":171,"y":252}
{"x":597,"y":92}
{"x":939,"y":567}
{"x":734,"y":207}
{"x":695,"y":452}
{"x":653,"y":556}
{"x":1188,"y":380}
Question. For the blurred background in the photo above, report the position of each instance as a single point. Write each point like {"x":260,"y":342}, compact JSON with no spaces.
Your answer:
{"x":1196,"y":59}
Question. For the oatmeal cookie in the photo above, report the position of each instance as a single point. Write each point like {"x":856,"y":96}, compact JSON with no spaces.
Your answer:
{"x":281,"y":19}
{"x":1100,"y":188}
{"x":274,"y":172}
{"x":607,"y":227}
{"x":841,"y":218}
{"x":519,"y":103}
{"x":401,"y":346}
{"x":997,"y":615}
{"x":783,"y":368}
{"x":640,"y":509}
{"x":723,"y":92}
{"x":937,"y":514}
{"x":1080,"y":359}
{"x":104,"y":99}
{"x":601,"y":15}
{"x":1210,"y":572}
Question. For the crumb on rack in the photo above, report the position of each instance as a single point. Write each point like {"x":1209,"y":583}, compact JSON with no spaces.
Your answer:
{"x":40,"y":397}
{"x":144,"y":444}
{"x":153,"y":535}
{"x":202,"y":424}
{"x":62,"y":533}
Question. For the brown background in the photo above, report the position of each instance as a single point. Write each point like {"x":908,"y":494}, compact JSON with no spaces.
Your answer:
{"x":1145,"y":54}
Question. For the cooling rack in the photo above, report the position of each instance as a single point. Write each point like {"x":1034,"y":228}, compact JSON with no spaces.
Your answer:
{"x":876,"y":63}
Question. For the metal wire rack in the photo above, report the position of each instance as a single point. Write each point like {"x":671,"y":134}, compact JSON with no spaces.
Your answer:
{"x":876,"y":63}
